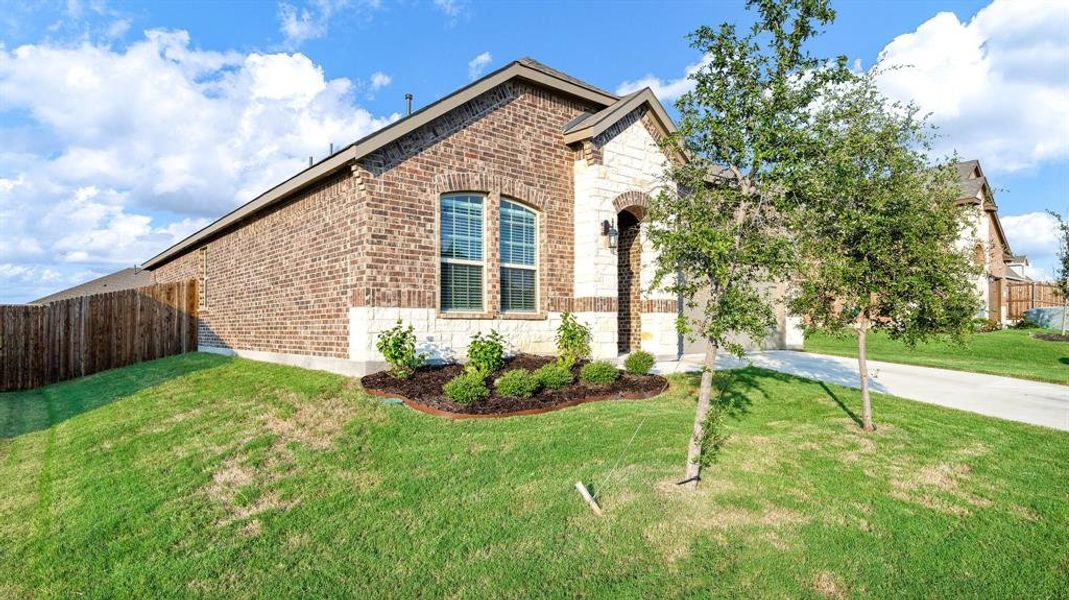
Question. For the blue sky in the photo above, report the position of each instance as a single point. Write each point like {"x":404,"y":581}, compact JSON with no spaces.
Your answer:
{"x":127,"y":125}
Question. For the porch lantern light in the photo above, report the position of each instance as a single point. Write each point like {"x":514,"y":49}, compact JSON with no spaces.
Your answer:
{"x":609,"y":235}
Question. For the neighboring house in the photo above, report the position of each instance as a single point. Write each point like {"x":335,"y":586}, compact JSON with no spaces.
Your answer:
{"x":125,"y":279}
{"x":1016,"y":269}
{"x":500,"y":206}
{"x":988,"y":242}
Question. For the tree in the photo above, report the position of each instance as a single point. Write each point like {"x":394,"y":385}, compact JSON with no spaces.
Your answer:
{"x":719,"y":226}
{"x":1061,"y":271}
{"x":879,"y":230}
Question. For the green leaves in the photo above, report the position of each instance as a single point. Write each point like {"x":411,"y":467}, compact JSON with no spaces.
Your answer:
{"x":879,"y":224}
{"x":721,"y":227}
{"x":398,"y":346}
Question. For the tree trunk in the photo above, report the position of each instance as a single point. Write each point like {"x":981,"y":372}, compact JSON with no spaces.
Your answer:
{"x":862,"y":365}
{"x":705,"y":393}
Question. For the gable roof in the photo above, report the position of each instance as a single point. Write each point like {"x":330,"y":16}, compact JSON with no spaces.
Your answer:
{"x":126,"y":279}
{"x":525,"y":69}
{"x":594,"y":124}
{"x":973,"y":182}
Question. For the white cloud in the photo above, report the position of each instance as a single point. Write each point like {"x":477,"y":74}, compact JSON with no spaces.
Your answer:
{"x":379,"y":80}
{"x":997,"y":86}
{"x":450,"y":7}
{"x":299,"y":25}
{"x":311,"y":21}
{"x":112,"y":155}
{"x":12,"y":272}
{"x":1034,"y":234}
{"x":666,"y":90}
{"x":477,"y":65}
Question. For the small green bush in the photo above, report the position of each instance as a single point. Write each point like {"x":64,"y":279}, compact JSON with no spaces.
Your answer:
{"x":518,"y":383}
{"x":466,"y":388}
{"x":554,"y":376}
{"x":1026,"y":323}
{"x":485,"y":354}
{"x":600,"y":372}
{"x":573,"y":340}
{"x":639,"y":362}
{"x":398,"y":345}
{"x":985,"y":325}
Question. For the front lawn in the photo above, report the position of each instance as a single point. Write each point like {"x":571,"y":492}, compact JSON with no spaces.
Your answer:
{"x":199,"y":475}
{"x":1010,"y":352}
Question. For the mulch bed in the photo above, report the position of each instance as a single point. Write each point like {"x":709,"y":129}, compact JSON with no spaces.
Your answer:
{"x":423,"y":391}
{"x":1051,"y":337}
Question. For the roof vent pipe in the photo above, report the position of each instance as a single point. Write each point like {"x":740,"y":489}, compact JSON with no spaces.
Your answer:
{"x":408,"y":104}
{"x":332,"y":148}
{"x":309,"y":161}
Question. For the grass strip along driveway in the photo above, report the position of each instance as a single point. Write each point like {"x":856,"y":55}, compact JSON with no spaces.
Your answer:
{"x":199,"y":475}
{"x":1010,"y":352}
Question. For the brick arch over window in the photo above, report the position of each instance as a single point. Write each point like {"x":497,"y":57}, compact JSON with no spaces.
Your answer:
{"x":631,"y":199}
{"x":490,"y":182}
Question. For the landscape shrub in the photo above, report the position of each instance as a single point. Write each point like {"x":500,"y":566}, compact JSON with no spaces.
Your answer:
{"x":485,"y":354}
{"x":600,"y":372}
{"x":466,"y":388}
{"x":398,"y":345}
{"x":573,"y":340}
{"x":554,"y":376}
{"x":639,"y":362}
{"x":518,"y":383}
{"x":1026,"y":323}
{"x":986,"y":325}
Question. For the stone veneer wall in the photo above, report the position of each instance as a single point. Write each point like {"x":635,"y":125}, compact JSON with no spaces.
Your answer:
{"x":623,"y":166}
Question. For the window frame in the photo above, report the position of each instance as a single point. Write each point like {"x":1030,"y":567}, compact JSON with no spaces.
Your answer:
{"x":535,"y":268}
{"x":482,"y":264}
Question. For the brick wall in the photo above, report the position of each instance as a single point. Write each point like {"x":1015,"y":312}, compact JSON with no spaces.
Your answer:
{"x":506,"y":142}
{"x":280,"y":283}
{"x":997,"y":260}
{"x":323,"y":274}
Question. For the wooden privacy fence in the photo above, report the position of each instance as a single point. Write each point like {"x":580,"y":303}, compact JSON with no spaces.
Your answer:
{"x":42,"y":344}
{"x":1024,"y":295}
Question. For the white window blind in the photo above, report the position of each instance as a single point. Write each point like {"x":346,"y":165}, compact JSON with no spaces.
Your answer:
{"x":462,"y":252}
{"x":519,"y":272}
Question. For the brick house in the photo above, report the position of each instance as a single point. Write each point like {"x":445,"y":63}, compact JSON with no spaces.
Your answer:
{"x":987,"y":240}
{"x":499,"y":206}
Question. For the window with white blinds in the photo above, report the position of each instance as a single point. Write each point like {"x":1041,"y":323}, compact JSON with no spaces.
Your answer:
{"x":462,"y":256}
{"x":519,"y":272}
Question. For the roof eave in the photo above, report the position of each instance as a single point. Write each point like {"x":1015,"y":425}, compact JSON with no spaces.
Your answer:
{"x":376,"y":140}
{"x":326,"y":167}
{"x":629,"y":104}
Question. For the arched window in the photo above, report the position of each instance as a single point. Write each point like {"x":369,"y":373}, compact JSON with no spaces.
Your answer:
{"x":462,"y":256}
{"x":519,"y":258}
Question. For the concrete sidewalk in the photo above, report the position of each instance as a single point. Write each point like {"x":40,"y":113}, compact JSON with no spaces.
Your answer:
{"x":1045,"y":404}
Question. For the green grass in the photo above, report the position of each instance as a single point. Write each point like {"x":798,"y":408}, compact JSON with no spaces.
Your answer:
{"x":199,"y":475}
{"x":1010,"y":352}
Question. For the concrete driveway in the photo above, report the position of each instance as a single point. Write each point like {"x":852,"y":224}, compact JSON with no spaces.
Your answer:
{"x":1045,"y":404}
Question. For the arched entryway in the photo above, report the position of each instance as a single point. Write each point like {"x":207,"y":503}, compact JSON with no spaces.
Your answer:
{"x":629,"y":279}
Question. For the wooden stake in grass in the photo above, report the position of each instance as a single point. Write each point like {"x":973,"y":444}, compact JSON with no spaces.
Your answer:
{"x":589,"y":499}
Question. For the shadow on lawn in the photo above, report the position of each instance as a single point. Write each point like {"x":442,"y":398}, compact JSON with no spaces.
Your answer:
{"x":33,"y":410}
{"x":735,"y":387}
{"x":846,"y":409}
